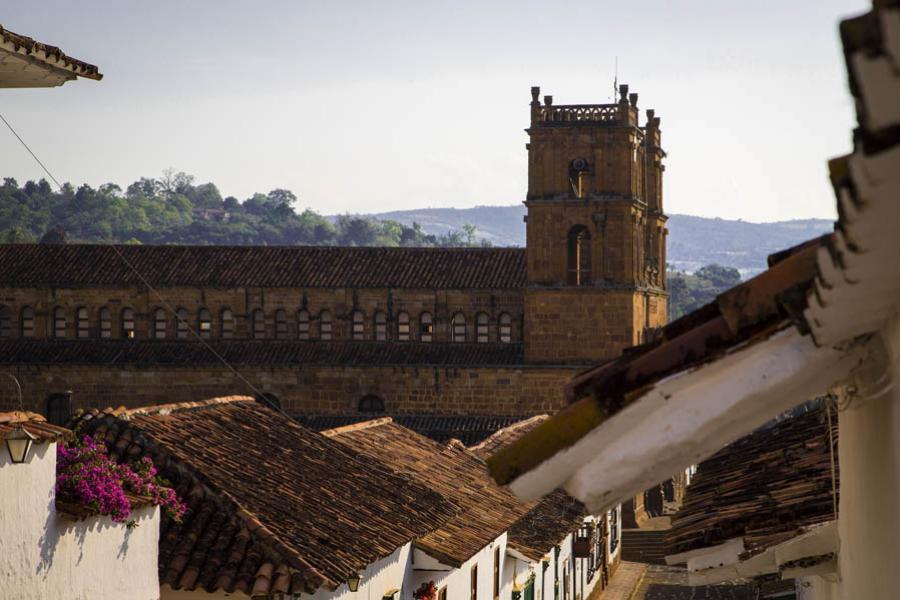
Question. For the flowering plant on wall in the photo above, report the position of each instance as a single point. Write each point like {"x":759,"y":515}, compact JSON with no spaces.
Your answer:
{"x":87,"y":476}
{"x":426,"y":591}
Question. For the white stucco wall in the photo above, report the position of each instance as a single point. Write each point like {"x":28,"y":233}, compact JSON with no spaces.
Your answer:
{"x":457,"y":580}
{"x":43,"y":555}
{"x":869,"y":450}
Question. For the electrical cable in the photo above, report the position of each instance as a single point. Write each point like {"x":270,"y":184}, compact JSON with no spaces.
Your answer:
{"x":256,"y":391}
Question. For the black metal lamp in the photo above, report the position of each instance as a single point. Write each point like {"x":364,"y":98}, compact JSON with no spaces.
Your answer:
{"x":353,"y":582}
{"x":18,"y":443}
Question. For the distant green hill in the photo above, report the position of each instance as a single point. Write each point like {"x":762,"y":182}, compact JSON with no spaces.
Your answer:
{"x":693,"y":241}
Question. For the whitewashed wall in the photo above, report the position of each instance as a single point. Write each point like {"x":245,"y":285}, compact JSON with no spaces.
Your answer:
{"x":424,"y":569}
{"x":43,"y":555}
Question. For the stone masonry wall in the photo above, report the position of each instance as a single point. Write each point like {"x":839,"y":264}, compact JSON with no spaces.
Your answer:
{"x":577,"y":324}
{"x":312,"y":390}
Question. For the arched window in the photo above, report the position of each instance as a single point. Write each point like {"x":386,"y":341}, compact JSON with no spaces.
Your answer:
{"x":505,"y":328}
{"x":5,"y":322}
{"x":579,"y":256}
{"x":358,"y":326}
{"x":182,"y":328}
{"x":204,"y":323}
{"x":104,"y":316}
{"x":403,"y":329}
{"x":325,"y":325}
{"x":159,"y":324}
{"x":59,"y":408}
{"x":458,"y":328}
{"x":258,"y":321}
{"x":481,"y":327}
{"x":227,"y":324}
{"x":281,"y":328}
{"x":380,"y":326}
{"x":372,"y":404}
{"x":82,"y":325}
{"x":426,"y":327}
{"x":303,"y":324}
{"x":27,"y":322}
{"x":59,"y":322}
{"x":128,"y":323}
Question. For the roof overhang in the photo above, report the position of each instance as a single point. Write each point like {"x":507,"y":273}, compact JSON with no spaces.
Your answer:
{"x":813,"y":552}
{"x":26,"y":63}
{"x":688,"y":417}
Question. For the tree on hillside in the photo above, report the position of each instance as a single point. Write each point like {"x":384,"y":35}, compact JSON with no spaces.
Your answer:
{"x":688,"y":292}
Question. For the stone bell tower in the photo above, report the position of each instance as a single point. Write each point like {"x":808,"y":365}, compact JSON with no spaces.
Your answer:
{"x":595,"y":230}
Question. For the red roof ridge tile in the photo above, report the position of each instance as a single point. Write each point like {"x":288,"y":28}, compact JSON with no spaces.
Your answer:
{"x":357,"y":426}
{"x":61,"y":60}
{"x":495,"y":440}
{"x":34,"y":424}
{"x":165,"y":409}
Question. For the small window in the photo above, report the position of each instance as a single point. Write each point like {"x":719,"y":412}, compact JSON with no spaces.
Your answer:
{"x":159,"y":324}
{"x":303,"y":325}
{"x":104,"y":315}
{"x":59,"y":408}
{"x":579,"y":256}
{"x":27,"y":322}
{"x":281,"y":327}
{"x":258,"y":321}
{"x":497,"y":573}
{"x":181,"y":324}
{"x":128,"y":323}
{"x":380,"y":326}
{"x":325,"y":325}
{"x":403,"y":329}
{"x":82,"y":325}
{"x":505,"y":328}
{"x":5,"y":322}
{"x":442,"y":593}
{"x":370,"y":403}
{"x":227,"y":324}
{"x":204,"y":323}
{"x":473,"y":583}
{"x":59,"y":322}
{"x":426,"y":330}
{"x":358,"y":325}
{"x":458,"y":328}
{"x":481,"y":327}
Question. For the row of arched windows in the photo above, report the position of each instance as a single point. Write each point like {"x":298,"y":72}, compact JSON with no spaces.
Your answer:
{"x":402,"y":329}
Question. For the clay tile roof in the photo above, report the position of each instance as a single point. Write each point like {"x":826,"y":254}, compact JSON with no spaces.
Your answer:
{"x":468,"y":429}
{"x":46,"y":53}
{"x":766,"y":487}
{"x":485,"y":509}
{"x":505,"y":436}
{"x":749,"y":312}
{"x":34,"y":424}
{"x":272,"y":506}
{"x":83,"y":265}
{"x":256,"y":352}
{"x":549,"y":519}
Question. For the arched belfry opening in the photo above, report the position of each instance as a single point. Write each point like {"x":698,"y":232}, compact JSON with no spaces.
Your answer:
{"x":579,"y":256}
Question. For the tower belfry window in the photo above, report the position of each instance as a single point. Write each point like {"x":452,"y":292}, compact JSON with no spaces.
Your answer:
{"x":579,"y":256}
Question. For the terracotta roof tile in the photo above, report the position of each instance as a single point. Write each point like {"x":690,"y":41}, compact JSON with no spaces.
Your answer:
{"x":82,"y":265}
{"x":34,"y":424}
{"x":485,"y":509}
{"x":549,"y":519}
{"x":765,"y":487}
{"x":48,"y":53}
{"x":468,"y":429}
{"x":272,"y":506}
{"x":257,"y":352}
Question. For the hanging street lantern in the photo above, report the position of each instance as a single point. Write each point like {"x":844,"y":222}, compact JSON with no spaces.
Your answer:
{"x":353,"y":582}
{"x":18,"y":443}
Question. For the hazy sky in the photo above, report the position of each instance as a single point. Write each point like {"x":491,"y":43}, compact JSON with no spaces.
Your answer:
{"x":375,"y":106}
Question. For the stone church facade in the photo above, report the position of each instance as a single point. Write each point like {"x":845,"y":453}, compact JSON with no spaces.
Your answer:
{"x":337,"y":332}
